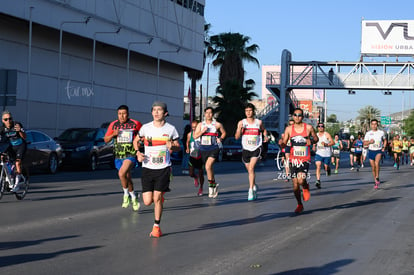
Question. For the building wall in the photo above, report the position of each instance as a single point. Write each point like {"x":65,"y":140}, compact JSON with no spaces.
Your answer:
{"x":86,"y":86}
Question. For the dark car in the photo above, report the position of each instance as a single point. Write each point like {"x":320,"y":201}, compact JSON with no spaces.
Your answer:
{"x":42,"y":152}
{"x":177,"y":156}
{"x":272,"y":150}
{"x":232,"y":148}
{"x":86,"y":147}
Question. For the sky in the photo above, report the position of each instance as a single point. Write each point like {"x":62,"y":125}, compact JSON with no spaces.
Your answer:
{"x":317,"y":30}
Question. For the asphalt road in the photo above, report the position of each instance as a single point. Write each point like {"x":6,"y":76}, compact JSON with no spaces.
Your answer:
{"x":73,"y":223}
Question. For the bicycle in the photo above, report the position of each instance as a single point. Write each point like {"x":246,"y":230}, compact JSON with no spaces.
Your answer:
{"x":8,"y":175}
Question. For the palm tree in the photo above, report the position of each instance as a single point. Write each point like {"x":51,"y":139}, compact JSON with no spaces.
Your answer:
{"x":230,"y":101}
{"x":229,"y":51}
{"x":365,"y":116}
{"x":195,"y":75}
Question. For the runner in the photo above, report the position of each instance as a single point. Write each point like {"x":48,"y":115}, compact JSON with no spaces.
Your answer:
{"x":195,"y":161}
{"x":123,"y":131}
{"x":160,"y":138}
{"x":396,"y":150}
{"x":405,"y":155}
{"x":287,"y":153}
{"x":336,"y":152}
{"x":250,"y":130}
{"x":375,"y":141}
{"x":358,"y":145}
{"x":364,"y":153}
{"x":323,"y":153}
{"x":284,"y":160}
{"x":411,"y":151}
{"x":207,"y":131}
{"x":351,"y":151}
{"x":300,"y":156}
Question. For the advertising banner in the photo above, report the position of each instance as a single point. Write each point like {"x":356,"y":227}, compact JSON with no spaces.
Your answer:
{"x":387,"y":37}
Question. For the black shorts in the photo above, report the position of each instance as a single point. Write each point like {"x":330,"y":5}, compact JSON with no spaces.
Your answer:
{"x":294,"y":170}
{"x":209,"y":154}
{"x":247,"y":155}
{"x":155,"y":179}
{"x":196,"y":163}
{"x":18,"y":151}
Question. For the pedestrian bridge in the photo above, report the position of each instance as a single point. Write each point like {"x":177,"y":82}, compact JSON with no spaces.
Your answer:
{"x":386,"y":76}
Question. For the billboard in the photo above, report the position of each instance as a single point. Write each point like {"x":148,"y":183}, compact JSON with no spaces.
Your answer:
{"x":387,"y":37}
{"x":306,"y":106}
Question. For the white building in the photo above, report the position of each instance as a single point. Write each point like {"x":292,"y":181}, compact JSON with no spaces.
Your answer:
{"x":72,"y":63}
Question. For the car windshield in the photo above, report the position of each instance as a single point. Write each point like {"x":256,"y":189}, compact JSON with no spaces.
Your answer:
{"x":77,"y":135}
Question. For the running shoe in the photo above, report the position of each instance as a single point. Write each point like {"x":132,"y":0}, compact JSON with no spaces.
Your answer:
{"x":196,"y":182}
{"x":395,"y":165}
{"x":377,"y":183}
{"x":215,"y":191}
{"x":318,"y":184}
{"x":362,"y":165}
{"x":352,"y":168}
{"x":250,"y":195}
{"x":156,"y":232}
{"x":135,"y":204}
{"x":305,"y":194}
{"x":299,"y":209}
{"x":210,"y":192}
{"x":255,"y":191}
{"x":336,"y":171}
{"x":126,"y":201}
{"x":200,"y":192}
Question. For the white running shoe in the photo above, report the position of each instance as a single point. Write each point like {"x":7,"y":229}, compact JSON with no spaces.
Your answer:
{"x":215,"y":191}
{"x":210,"y":192}
{"x":250,"y":195}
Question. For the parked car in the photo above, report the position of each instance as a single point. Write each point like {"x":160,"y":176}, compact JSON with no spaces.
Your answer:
{"x":42,"y":152}
{"x":86,"y":147}
{"x":232,"y":148}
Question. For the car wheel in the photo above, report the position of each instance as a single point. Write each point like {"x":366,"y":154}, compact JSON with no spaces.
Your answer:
{"x":93,"y":163}
{"x":53,"y":163}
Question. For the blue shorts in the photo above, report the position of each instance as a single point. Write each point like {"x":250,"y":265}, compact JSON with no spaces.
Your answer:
{"x":325,"y":160}
{"x":372,"y":154}
{"x":118,"y":162}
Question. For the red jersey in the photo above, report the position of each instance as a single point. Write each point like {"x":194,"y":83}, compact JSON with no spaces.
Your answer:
{"x":299,"y":148}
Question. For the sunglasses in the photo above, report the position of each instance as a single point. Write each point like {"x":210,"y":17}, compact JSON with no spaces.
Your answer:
{"x":298,"y":115}
{"x":7,"y":119}
{"x":321,"y":126}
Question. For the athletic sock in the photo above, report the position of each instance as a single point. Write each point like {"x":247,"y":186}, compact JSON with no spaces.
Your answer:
{"x":132,"y":194}
{"x":125,"y":191}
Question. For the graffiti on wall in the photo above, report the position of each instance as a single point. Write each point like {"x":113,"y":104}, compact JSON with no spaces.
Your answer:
{"x":78,"y":91}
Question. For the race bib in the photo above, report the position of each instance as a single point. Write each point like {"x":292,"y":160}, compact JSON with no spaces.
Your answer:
{"x":320,"y":147}
{"x":125,"y":136}
{"x":359,"y":150}
{"x":300,"y":151}
{"x":157,"y":157}
{"x":352,"y":149}
{"x":336,"y":151}
{"x":376,"y":145}
{"x":205,"y":140}
{"x":252,"y":141}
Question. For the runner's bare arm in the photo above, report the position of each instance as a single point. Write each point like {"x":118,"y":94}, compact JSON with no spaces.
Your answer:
{"x":286,"y":136}
{"x":198,"y":131}
{"x":222,"y":130}
{"x":188,"y":143}
{"x":239,"y":130}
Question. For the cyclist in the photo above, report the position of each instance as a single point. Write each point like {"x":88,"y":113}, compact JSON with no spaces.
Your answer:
{"x":16,"y":135}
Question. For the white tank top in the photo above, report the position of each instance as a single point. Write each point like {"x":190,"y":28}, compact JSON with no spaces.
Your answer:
{"x":251,"y":137}
{"x":323,"y":151}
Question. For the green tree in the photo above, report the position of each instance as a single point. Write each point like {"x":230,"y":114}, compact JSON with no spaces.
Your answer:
{"x":365,"y":116}
{"x":229,"y":51}
{"x":231,"y":99}
{"x":409,"y":125}
{"x":332,"y":118}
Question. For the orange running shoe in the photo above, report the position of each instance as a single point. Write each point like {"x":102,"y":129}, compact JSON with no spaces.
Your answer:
{"x":156,"y":232}
{"x":299,"y":209}
{"x":305,"y":194}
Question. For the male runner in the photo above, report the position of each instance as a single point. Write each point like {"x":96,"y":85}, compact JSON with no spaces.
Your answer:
{"x":323,"y":153}
{"x":123,"y":131}
{"x":300,"y":156}
{"x":208,"y":132}
{"x":195,"y":161}
{"x":359,"y":146}
{"x":250,"y":130}
{"x":375,"y":141}
{"x":160,"y":138}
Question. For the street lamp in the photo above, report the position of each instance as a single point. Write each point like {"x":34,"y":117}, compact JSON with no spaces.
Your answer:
{"x":93,"y":69}
{"x":158,"y":67}
{"x":128,"y":58}
{"x":85,"y":21}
